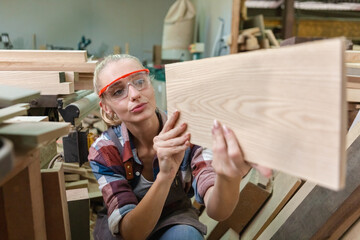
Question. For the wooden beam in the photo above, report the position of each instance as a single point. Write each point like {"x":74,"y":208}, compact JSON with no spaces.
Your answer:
{"x":352,"y":57}
{"x":288,"y":19}
{"x":33,"y":134}
{"x":353,"y":232}
{"x":13,"y":95}
{"x":235,"y":25}
{"x":284,"y":187}
{"x":277,"y":106}
{"x":43,"y":56}
{"x":25,"y":186}
{"x":55,"y":204}
{"x":48,"y":66}
{"x":12,"y":111}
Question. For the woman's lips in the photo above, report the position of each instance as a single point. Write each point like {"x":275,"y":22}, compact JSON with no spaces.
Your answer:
{"x":138,"y":108}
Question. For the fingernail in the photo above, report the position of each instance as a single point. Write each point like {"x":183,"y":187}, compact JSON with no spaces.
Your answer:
{"x":226,"y":130}
{"x":176,"y":112}
{"x":183,"y":125}
{"x":216,"y":123}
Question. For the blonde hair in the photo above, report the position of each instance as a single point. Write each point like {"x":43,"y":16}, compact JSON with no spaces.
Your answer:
{"x":110,"y":120}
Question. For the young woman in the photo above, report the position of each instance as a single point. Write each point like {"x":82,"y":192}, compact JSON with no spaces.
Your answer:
{"x":146,"y":166}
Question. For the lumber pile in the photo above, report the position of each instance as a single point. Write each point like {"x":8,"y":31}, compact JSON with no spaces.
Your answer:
{"x":20,"y":176}
{"x":51,"y":72}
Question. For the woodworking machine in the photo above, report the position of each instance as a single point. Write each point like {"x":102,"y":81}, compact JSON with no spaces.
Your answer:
{"x":76,"y":144}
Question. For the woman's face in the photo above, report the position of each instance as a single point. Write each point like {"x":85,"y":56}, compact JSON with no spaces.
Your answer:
{"x":138,"y":105}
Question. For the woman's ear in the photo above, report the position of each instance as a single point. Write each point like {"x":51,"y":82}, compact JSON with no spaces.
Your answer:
{"x":106,"y":108}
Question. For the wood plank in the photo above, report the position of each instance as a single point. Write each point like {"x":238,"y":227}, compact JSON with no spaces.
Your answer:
{"x":44,"y":85}
{"x":72,"y":177}
{"x":77,"y":184}
{"x":31,"y":76}
{"x":353,"y":232}
{"x":352,"y":57}
{"x":48,"y":66}
{"x":353,"y":95}
{"x":230,"y":235}
{"x":342,"y":219}
{"x":277,"y":106}
{"x":33,"y":134}
{"x":55,"y":204}
{"x":43,"y":56}
{"x":284,"y":187}
{"x":12,"y":111}
{"x":235,"y":25}
{"x":78,"y":204}
{"x":253,"y":194}
{"x":320,"y":204}
{"x":30,"y":216}
{"x":13,"y":95}
{"x":19,"y":119}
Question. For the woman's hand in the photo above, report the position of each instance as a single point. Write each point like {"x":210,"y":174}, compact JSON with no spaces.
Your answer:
{"x":228,"y":159}
{"x":170,"y":146}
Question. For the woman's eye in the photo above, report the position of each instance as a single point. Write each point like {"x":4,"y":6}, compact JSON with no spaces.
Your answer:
{"x":118,"y":92}
{"x":139,"y":82}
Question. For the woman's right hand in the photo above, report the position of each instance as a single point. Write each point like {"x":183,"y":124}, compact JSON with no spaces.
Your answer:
{"x":170,"y":146}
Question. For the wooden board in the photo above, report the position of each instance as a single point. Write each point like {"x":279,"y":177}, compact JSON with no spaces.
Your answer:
{"x":47,"y":82}
{"x":55,"y":204}
{"x":284,"y":187}
{"x":13,"y":95}
{"x":277,"y":102}
{"x":253,"y":193}
{"x":32,"y":134}
{"x":353,"y":232}
{"x":48,"y":66}
{"x":352,"y":57}
{"x":12,"y":111}
{"x":25,"y":221}
{"x":43,"y":56}
{"x":317,"y":206}
{"x":19,"y":119}
{"x":78,"y":203}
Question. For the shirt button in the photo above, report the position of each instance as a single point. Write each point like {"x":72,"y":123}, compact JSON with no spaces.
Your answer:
{"x":137,"y":174}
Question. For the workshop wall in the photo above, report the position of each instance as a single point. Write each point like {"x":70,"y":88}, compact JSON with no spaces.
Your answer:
{"x":106,"y":23}
{"x":209,"y":25}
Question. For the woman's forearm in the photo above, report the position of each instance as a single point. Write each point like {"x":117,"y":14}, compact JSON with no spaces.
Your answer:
{"x":221,"y":199}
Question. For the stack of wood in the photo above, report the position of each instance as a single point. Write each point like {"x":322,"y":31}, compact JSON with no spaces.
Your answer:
{"x":51,"y":72}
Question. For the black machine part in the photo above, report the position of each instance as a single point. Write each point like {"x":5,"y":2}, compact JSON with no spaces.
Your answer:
{"x":76,"y":146}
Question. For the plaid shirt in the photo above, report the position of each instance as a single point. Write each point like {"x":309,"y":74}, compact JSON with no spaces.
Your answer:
{"x":117,"y":175}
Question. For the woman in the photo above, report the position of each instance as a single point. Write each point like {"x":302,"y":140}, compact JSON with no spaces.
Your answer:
{"x":146,"y":166}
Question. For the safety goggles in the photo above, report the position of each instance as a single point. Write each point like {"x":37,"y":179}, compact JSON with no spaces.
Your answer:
{"x":119,"y":88}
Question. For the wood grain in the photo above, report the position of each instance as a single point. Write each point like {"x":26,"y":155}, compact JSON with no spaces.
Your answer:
{"x":43,"y":56}
{"x":276,"y":101}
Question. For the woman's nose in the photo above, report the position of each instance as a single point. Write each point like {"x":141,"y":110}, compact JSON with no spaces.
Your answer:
{"x":133,"y":93}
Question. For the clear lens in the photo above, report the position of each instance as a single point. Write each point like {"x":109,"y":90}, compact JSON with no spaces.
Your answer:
{"x":119,"y":89}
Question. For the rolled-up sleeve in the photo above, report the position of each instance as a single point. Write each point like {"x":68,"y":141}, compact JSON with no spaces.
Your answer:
{"x":117,"y":193}
{"x":203,"y":172}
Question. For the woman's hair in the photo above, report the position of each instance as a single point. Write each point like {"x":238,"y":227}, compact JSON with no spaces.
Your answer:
{"x":113,"y":119}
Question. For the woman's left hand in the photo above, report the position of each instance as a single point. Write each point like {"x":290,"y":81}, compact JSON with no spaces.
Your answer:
{"x":228,"y":159}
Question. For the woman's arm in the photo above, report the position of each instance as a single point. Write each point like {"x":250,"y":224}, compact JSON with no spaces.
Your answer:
{"x":170,"y":147}
{"x":230,"y":167}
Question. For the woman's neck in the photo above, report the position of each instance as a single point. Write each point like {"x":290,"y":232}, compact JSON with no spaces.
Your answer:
{"x":145,"y":131}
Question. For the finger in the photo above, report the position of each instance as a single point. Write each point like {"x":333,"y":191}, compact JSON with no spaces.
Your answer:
{"x":266,"y":172}
{"x":170,"y":123}
{"x":219,"y":145}
{"x":174,"y":141}
{"x":233,"y":146}
{"x":174,"y":150}
{"x":175,"y":132}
